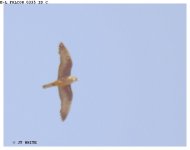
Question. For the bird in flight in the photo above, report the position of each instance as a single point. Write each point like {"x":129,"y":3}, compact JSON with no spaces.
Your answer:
{"x":64,"y":81}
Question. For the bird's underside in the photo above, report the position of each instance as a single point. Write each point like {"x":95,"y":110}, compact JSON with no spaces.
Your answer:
{"x":64,"y":81}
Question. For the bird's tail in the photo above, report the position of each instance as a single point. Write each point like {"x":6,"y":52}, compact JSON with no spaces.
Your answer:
{"x":49,"y":85}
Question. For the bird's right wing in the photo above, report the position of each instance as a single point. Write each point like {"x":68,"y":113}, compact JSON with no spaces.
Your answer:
{"x":65,"y":62}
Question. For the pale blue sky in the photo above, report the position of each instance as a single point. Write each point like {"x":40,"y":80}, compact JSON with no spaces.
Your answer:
{"x":130,"y":62}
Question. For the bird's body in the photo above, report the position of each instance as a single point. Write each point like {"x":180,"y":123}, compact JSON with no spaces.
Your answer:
{"x":64,"y":81}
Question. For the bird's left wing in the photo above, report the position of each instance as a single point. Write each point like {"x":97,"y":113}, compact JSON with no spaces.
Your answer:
{"x":66,"y":95}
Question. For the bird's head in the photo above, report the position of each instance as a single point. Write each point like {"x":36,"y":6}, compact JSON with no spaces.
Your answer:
{"x":72,"y":79}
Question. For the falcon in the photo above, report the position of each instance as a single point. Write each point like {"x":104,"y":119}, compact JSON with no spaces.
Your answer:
{"x":64,"y":81}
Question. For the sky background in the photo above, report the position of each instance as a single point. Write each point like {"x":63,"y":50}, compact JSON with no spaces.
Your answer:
{"x":130,"y":61}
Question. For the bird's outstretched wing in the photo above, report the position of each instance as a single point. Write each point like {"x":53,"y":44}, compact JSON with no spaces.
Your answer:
{"x":65,"y":62}
{"x":65,"y":93}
